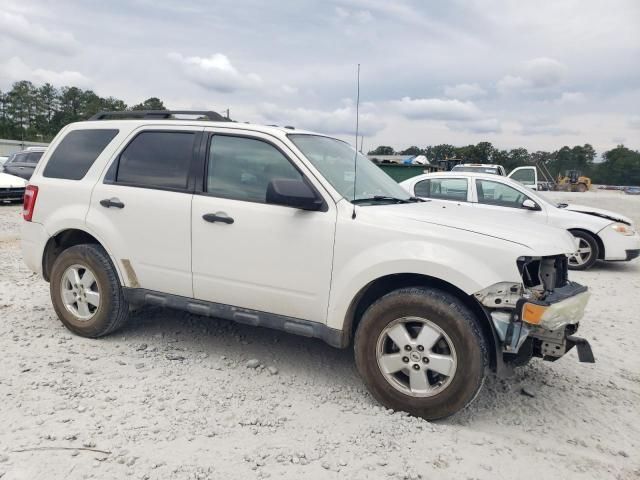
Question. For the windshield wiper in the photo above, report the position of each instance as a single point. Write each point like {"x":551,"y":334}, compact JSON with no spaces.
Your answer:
{"x":562,"y":205}
{"x":386,"y":198}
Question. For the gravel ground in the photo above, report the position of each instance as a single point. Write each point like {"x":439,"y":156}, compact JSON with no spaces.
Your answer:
{"x":175,"y":396}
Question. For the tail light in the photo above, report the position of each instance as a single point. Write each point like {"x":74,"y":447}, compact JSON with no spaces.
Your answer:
{"x":30,"y":195}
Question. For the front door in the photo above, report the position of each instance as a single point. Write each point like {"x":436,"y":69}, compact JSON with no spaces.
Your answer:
{"x":250,"y":254}
{"x":504,"y":199}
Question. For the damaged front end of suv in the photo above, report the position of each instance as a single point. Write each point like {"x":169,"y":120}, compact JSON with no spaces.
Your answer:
{"x":539,"y":316}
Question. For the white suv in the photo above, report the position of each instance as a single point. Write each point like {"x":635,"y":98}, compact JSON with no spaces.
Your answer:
{"x":263,"y":225}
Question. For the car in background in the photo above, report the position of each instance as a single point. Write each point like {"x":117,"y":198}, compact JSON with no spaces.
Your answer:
{"x":22,"y":164}
{"x":600,"y":234}
{"x":480,"y":168}
{"x":11,"y":188}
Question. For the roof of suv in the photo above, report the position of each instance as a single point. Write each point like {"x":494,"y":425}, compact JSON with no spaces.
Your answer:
{"x":200,"y":123}
{"x":134,"y":119}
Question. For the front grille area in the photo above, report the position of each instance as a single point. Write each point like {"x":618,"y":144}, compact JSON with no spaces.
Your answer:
{"x":530,"y":269}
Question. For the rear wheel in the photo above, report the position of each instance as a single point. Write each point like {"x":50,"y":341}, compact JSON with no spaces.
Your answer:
{"x":86,"y":293}
{"x":587,"y":253}
{"x":421,"y":350}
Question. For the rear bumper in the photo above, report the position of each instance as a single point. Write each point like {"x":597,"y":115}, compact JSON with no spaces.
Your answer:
{"x":11,"y":194}
{"x":33,"y":240}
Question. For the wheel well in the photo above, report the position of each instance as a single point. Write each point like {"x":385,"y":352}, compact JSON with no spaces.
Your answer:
{"x":59,"y":243}
{"x":596,"y":237}
{"x":381,"y":286}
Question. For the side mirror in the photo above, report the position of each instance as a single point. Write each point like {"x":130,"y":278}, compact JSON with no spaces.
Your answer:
{"x":292,"y":193}
{"x":529,"y":204}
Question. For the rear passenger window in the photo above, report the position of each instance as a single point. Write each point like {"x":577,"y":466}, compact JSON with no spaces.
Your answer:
{"x":75,"y":154}
{"x":33,"y":157}
{"x":157,"y":159}
{"x":443,"y":189}
{"x":241,"y":168}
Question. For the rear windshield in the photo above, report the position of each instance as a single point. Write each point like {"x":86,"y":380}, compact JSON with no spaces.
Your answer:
{"x":491,"y":170}
{"x":75,"y":154}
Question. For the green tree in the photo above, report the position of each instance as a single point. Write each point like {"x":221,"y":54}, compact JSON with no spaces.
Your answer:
{"x":413,"y":150}
{"x":621,"y":166}
{"x":152,"y":103}
{"x":440,"y":152}
{"x":382,"y":150}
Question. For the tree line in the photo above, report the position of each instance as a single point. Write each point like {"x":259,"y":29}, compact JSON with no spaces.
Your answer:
{"x":619,"y":166}
{"x":36,"y":113}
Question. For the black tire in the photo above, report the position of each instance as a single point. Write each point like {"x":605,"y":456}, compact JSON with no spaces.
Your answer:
{"x":454,"y":319}
{"x":593,"y":245}
{"x":113,"y":309}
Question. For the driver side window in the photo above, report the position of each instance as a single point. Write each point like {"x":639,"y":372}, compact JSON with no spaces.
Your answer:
{"x":241,"y":168}
{"x":499,"y":194}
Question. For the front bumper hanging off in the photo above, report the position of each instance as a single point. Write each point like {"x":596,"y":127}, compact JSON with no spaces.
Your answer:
{"x":550,"y":324}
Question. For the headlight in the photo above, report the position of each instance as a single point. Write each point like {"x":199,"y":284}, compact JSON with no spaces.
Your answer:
{"x":623,"y":228}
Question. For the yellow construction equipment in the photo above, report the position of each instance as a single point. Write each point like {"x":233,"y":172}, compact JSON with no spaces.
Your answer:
{"x":573,"y":181}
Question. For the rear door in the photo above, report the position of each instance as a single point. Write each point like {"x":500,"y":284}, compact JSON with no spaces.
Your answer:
{"x":259,"y":256}
{"x":447,"y":190}
{"x":142,"y":208}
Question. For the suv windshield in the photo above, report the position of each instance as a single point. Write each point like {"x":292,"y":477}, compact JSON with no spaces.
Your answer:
{"x":335,"y":160}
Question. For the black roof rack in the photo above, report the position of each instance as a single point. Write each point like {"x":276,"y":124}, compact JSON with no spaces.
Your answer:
{"x":157,"y":114}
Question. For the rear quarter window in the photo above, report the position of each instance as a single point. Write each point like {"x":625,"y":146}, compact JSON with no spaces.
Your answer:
{"x":75,"y":154}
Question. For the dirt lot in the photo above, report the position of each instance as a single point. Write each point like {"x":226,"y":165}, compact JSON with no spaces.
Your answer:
{"x":171,"y":396}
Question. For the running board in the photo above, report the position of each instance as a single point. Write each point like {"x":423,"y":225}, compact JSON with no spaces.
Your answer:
{"x":255,"y":318}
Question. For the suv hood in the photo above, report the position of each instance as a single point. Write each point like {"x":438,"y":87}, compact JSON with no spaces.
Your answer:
{"x":11,"y":181}
{"x":599,"y":212}
{"x":542,"y":239}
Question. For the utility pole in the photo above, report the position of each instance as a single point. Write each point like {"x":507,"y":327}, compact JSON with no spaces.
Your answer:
{"x":228,"y":114}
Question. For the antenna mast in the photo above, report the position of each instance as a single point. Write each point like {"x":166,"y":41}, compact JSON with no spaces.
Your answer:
{"x":355,"y":154}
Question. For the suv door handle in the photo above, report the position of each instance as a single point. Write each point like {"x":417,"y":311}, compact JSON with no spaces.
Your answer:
{"x":213,"y":217}
{"x":112,"y":202}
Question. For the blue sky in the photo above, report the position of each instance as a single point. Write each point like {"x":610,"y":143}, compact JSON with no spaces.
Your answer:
{"x":533,"y":74}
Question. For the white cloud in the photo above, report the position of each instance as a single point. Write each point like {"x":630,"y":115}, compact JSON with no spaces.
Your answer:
{"x":544,"y":72}
{"x":538,"y":73}
{"x":15,"y":69}
{"x":359,"y":16}
{"x":341,"y":121}
{"x":634,"y":121}
{"x":550,"y":130}
{"x":464,"y":91}
{"x":485,"y":125}
{"x":18,"y":27}
{"x":216,"y":73}
{"x":510,"y":83}
{"x":436,"y":109}
{"x":571,"y":98}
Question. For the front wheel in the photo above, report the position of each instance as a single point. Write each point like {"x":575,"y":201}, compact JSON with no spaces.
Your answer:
{"x":421,"y":350}
{"x":586,"y":254}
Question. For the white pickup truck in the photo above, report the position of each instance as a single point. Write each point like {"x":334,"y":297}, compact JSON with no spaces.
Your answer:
{"x":272,"y":227}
